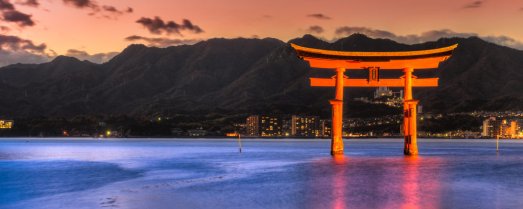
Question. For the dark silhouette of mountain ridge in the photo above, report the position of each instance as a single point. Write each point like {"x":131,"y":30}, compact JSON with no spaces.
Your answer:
{"x":247,"y":76}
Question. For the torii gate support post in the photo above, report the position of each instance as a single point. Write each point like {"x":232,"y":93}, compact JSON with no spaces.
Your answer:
{"x":409,"y":115}
{"x":337,"y":115}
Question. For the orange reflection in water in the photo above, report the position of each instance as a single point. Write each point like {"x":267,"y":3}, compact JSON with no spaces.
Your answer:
{"x":339,"y":182}
{"x":410,"y":186}
{"x":415,"y":187}
{"x":377,"y":182}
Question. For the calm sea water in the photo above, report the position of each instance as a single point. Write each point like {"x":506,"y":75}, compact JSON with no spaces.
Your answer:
{"x":178,"y":173}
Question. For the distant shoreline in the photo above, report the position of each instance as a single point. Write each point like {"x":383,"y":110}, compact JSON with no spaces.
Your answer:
{"x":215,"y":138}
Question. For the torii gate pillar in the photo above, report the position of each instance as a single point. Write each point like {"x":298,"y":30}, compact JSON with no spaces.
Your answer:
{"x":337,"y":115}
{"x":409,"y":115}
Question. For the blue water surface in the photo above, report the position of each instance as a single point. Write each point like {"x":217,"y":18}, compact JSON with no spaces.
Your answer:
{"x":269,"y":173}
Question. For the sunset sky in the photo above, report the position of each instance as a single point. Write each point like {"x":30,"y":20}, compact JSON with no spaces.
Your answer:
{"x":38,"y":30}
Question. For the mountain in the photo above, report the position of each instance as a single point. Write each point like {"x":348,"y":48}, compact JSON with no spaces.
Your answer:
{"x":248,"y":76}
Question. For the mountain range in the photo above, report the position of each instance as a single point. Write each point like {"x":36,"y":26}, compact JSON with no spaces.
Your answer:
{"x":246,"y":76}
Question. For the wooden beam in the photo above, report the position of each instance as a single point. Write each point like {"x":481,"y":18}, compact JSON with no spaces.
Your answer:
{"x":416,"y":64}
{"x":357,"y":82}
{"x":313,"y":52}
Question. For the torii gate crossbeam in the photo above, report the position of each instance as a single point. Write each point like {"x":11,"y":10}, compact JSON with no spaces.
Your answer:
{"x":408,"y":61}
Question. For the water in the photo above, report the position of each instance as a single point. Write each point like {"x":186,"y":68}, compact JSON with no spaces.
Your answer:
{"x":145,"y":173}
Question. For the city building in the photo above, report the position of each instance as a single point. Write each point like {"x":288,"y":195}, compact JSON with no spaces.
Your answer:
{"x":6,"y":124}
{"x":252,"y":125}
{"x":287,"y":126}
{"x":113,"y":134}
{"x":177,"y":132}
{"x":503,"y":128}
{"x":199,"y":132}
{"x":508,"y":129}
{"x":240,"y":128}
{"x":232,"y":134}
{"x":488,"y":127}
{"x":513,"y":129}
{"x":383,"y":91}
{"x":305,"y":126}
{"x":325,"y":128}
{"x":264,"y":126}
{"x":384,"y":95}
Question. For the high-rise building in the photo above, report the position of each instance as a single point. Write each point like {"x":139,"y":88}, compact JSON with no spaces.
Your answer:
{"x":519,"y":129}
{"x":305,"y":126}
{"x":287,"y":126}
{"x":253,"y":125}
{"x":264,"y":126}
{"x":512,"y":133}
{"x":488,"y":127}
{"x":508,"y":129}
{"x":325,"y":128}
{"x":503,"y":128}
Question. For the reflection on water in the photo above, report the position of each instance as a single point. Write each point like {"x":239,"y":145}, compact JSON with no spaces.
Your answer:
{"x":410,"y":183}
{"x":268,"y":174}
{"x":339,"y":181}
{"x":415,"y":182}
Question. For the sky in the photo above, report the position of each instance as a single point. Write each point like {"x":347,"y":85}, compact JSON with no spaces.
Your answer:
{"x":35,"y":31}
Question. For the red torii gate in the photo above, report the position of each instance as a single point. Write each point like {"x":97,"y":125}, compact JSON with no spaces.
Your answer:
{"x":374,"y":62}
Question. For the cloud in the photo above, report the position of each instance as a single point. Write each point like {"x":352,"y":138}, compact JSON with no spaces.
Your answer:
{"x":504,"y":41}
{"x":4,"y":28}
{"x":473,"y":5}
{"x":17,"y":17}
{"x":315,"y":29}
{"x":32,"y":3}
{"x":408,"y":39}
{"x":96,"y":58}
{"x":8,"y":13}
{"x":15,"y":43}
{"x":97,"y":9}
{"x":432,"y":35}
{"x":319,"y":16}
{"x":110,"y":9}
{"x":116,"y":11}
{"x":157,"y":26}
{"x":82,"y":4}
{"x":347,"y":30}
{"x":161,"y":42}
{"x":6,"y":5}
{"x":9,"y":58}
{"x":14,"y":49}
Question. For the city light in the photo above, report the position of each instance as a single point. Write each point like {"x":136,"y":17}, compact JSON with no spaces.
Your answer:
{"x":6,"y":124}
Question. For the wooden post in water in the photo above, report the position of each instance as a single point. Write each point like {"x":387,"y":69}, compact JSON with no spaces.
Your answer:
{"x":497,"y":143}
{"x":240,"y":142}
{"x":337,"y":115}
{"x":409,"y":115}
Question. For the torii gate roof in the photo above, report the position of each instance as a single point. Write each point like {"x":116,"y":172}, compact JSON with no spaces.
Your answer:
{"x":420,"y":59}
